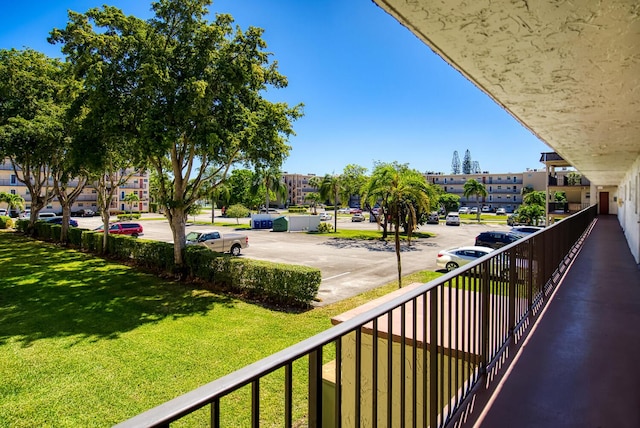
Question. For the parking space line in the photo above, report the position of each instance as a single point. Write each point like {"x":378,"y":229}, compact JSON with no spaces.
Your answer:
{"x":336,"y":276}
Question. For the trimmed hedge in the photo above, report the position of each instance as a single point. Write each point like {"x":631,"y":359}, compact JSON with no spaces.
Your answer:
{"x":272,"y":282}
{"x":294,"y":210}
{"x":125,"y":217}
{"x":6,"y":222}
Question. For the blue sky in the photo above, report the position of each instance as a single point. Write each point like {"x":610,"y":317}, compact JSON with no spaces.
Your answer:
{"x":372,"y":91}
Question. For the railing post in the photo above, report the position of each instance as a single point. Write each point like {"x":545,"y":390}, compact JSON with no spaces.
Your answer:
{"x":315,"y":388}
{"x":484,"y":319}
{"x":433,"y":356}
{"x":513,"y":278}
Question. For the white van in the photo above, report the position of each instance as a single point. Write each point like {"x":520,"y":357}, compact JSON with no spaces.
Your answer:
{"x":46,"y":215}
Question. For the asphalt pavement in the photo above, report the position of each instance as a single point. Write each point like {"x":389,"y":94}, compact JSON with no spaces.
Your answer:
{"x":348,"y":267}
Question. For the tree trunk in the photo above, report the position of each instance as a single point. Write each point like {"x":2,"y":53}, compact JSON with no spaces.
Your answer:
{"x":105,"y":229}
{"x":177,"y":221}
{"x":66,"y":215}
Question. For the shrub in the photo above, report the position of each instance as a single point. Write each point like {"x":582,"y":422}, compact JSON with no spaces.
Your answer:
{"x":74,"y":236}
{"x":42,"y":230}
{"x":22,"y":225}
{"x":295,"y":210}
{"x":55,"y":232}
{"x":6,"y":222}
{"x":274,"y":282}
{"x":325,"y":227}
{"x":125,"y":217}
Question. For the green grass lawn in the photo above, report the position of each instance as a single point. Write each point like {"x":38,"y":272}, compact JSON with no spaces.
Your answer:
{"x":87,"y":342}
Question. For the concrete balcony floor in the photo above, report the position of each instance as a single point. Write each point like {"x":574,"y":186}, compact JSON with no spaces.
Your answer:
{"x":580,"y":367}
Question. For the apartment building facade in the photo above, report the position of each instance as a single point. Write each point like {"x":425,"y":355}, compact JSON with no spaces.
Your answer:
{"x":504,"y":190}
{"x":298,"y":187}
{"x":137,"y":183}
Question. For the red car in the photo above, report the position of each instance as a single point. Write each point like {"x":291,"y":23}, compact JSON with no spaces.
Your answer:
{"x":133,"y":229}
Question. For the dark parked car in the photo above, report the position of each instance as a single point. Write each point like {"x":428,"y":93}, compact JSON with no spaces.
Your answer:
{"x":83,"y":212}
{"x":133,"y":229}
{"x":58,"y":220}
{"x":496,"y":239}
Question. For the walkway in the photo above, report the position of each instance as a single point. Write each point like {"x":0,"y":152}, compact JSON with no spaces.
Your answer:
{"x":581,"y":366}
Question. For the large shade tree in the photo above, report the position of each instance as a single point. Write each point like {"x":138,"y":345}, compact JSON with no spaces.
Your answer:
{"x":191,"y":91}
{"x":32,"y":117}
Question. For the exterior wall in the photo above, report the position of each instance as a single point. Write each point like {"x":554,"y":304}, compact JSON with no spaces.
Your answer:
{"x":298,"y":187}
{"x":627,"y":204}
{"x":504,"y":189}
{"x":138,"y":183}
{"x":349,"y":375}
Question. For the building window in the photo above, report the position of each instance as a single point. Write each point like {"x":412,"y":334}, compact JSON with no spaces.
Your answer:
{"x":499,"y":187}
{"x":13,"y":191}
{"x":13,"y":179}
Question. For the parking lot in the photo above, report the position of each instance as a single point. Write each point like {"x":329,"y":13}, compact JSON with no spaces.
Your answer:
{"x":348,"y":267}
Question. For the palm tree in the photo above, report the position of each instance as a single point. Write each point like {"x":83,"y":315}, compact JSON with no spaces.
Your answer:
{"x":404,"y":194}
{"x":130,"y":199}
{"x":331,"y":188}
{"x":314,"y":198}
{"x":475,"y":188}
{"x":13,"y":201}
{"x":271,"y":181}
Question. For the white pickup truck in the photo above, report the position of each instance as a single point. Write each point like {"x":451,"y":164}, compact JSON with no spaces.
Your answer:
{"x":223,"y":243}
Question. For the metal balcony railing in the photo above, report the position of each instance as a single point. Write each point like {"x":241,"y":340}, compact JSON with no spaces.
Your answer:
{"x":414,"y":360}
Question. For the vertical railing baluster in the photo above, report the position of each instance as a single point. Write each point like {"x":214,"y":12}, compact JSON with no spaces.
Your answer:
{"x":433,"y":357}
{"x":374,"y":374}
{"x":403,"y":363}
{"x":215,"y":414}
{"x":315,"y":388}
{"x":425,"y":352}
{"x":414,"y":365}
{"x":338,"y":391}
{"x":358,"y":379}
{"x":288,"y":395}
{"x":255,"y":403}
{"x":390,"y":369}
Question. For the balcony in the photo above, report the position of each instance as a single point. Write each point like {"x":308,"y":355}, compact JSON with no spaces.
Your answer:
{"x":566,"y":208}
{"x":454,"y":349}
{"x":565,"y":181}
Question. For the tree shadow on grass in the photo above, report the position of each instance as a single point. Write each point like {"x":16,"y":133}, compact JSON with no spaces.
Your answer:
{"x":46,"y":292}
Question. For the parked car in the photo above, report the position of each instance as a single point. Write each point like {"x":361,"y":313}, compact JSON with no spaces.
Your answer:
{"x":325,"y":216}
{"x":83,"y":212}
{"x":433,"y":218}
{"x":452,"y":219}
{"x":344,"y":210}
{"x":514,"y":220}
{"x":501,"y":211}
{"x":25,"y":214}
{"x":355,"y":211}
{"x":496,"y":239}
{"x":58,"y":220}
{"x":525,"y":230}
{"x":486,"y":209}
{"x":357,"y":217}
{"x":269,"y":211}
{"x":42,"y":216}
{"x":455,"y":257}
{"x":473,"y":210}
{"x":223,"y":243}
{"x":463,"y":210}
{"x":3,"y":212}
{"x":133,"y":229}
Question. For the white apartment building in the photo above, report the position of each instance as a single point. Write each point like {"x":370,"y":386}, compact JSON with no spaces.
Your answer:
{"x":504,"y":190}
{"x":88,"y":199}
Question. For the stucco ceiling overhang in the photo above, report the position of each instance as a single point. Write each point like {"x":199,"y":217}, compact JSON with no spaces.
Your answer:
{"x":569,"y":71}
